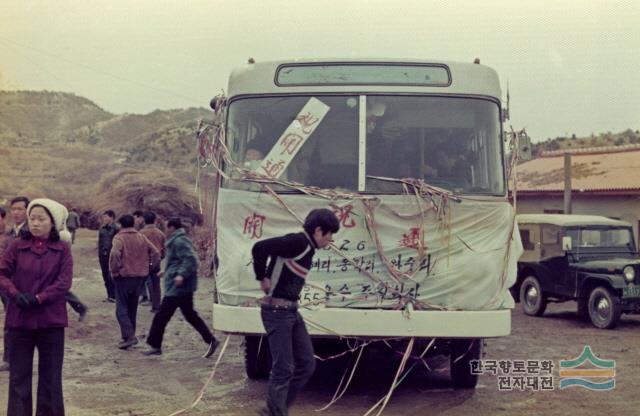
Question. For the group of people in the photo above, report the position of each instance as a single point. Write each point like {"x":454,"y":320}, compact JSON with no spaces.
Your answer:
{"x":130,"y":254}
{"x":36,"y":272}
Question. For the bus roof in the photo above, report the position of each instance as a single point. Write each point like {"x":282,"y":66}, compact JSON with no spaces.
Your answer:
{"x":466,"y":79}
{"x":569,"y":220}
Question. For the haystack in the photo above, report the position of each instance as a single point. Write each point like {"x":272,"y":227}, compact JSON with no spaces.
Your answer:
{"x":127,"y":190}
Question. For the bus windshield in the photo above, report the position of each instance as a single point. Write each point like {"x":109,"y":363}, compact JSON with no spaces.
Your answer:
{"x":449,"y":142}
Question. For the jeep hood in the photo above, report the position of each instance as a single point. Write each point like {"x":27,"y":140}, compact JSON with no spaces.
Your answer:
{"x":605,"y":266}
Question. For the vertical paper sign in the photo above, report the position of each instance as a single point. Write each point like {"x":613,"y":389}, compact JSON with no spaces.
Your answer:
{"x":293,"y":138}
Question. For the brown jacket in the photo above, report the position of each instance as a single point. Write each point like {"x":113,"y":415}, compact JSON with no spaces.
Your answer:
{"x":131,"y":254}
{"x":156,"y":236}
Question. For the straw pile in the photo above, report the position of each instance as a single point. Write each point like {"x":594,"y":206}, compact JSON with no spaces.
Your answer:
{"x":127,"y":190}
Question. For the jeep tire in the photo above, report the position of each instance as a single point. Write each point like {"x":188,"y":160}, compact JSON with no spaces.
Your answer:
{"x":534,"y":301}
{"x":257,"y":357}
{"x":463,"y":351}
{"x":583,"y":308}
{"x":604,"y":307}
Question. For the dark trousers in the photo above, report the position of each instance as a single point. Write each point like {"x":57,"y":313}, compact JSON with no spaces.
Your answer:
{"x":292,"y":357}
{"x":50,"y":345}
{"x":5,"y":348}
{"x":145,"y":290}
{"x":106,"y":276}
{"x":128,"y":290}
{"x":72,"y":231}
{"x":167,"y":309}
{"x":153,"y":288}
{"x":75,"y":303}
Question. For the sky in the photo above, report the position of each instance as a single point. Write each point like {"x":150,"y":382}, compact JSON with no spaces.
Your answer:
{"x":571,"y":67}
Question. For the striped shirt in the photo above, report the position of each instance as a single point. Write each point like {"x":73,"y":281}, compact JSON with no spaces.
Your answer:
{"x":286,"y":261}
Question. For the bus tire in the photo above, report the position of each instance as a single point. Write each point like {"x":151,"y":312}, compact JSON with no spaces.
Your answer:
{"x":464,"y":351}
{"x":257,"y":357}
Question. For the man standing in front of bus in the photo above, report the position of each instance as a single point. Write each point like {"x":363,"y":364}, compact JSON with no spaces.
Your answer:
{"x":289,"y":258}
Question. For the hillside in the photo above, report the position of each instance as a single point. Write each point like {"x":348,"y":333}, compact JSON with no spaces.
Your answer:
{"x":44,"y":117}
{"x":172,"y":147}
{"x":65,"y":172}
{"x":66,"y":146}
{"x":601,"y":140}
{"x":123,"y":131}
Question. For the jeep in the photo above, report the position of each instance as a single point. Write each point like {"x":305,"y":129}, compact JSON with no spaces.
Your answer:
{"x":589,"y":259}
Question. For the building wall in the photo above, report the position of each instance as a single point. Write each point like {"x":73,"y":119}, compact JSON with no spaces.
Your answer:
{"x":626,"y":208}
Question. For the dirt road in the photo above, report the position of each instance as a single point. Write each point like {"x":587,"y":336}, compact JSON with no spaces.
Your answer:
{"x":103,"y":380}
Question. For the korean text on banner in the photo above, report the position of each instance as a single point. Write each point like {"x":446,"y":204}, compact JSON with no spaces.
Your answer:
{"x":293,"y":138}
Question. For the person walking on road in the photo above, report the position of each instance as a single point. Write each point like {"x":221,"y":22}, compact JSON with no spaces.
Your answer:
{"x":180,"y":283}
{"x":18,"y":207}
{"x":158,"y":238}
{"x":36,"y":271}
{"x":107,"y":231}
{"x":5,"y":239}
{"x":282,"y":280}
{"x":131,"y":257}
{"x":138,"y":219}
{"x":73,"y":223}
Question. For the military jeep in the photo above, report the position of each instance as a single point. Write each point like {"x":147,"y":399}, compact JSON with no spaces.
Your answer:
{"x":589,"y":259}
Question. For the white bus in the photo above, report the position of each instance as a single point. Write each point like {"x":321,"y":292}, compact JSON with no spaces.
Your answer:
{"x":409,"y":154}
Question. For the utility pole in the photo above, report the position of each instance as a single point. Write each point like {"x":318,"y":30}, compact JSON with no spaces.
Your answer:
{"x":567,"y":183}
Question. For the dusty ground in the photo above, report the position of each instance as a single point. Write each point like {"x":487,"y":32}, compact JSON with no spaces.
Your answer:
{"x":103,"y":380}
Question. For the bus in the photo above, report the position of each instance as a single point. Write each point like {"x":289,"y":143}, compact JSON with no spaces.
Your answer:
{"x":410,"y":156}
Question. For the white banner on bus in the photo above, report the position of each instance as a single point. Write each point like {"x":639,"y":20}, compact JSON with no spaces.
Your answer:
{"x":464,"y":266}
{"x":293,"y":138}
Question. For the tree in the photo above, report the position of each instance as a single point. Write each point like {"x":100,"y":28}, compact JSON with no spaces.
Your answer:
{"x":554,"y":145}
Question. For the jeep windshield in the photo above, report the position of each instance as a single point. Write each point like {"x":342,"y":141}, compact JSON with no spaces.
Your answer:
{"x":604,"y":240}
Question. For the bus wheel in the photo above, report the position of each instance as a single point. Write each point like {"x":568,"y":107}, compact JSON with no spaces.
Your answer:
{"x":462,"y":353}
{"x":604,"y":308}
{"x":534,"y":302}
{"x":257,"y":357}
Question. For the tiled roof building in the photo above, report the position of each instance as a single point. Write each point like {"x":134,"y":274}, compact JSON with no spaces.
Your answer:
{"x":604,"y":181}
{"x":598,"y":170}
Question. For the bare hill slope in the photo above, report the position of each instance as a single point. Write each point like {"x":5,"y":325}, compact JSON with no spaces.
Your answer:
{"x":63,"y":146}
{"x":44,"y":117}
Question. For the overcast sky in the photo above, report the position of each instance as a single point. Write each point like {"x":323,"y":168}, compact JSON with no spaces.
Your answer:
{"x":571,"y":66}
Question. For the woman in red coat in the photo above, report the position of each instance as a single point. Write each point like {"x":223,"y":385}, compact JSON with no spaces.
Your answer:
{"x":35,"y":273}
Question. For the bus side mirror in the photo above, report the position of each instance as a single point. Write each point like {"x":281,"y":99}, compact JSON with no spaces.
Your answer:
{"x":218,"y":102}
{"x":524,"y":146}
{"x":566,"y":243}
{"x":214,"y":103}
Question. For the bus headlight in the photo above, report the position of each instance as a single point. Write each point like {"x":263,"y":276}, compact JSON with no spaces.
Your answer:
{"x":629,"y":273}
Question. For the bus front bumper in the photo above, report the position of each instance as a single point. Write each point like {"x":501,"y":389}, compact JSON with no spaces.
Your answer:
{"x":345,"y":322}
